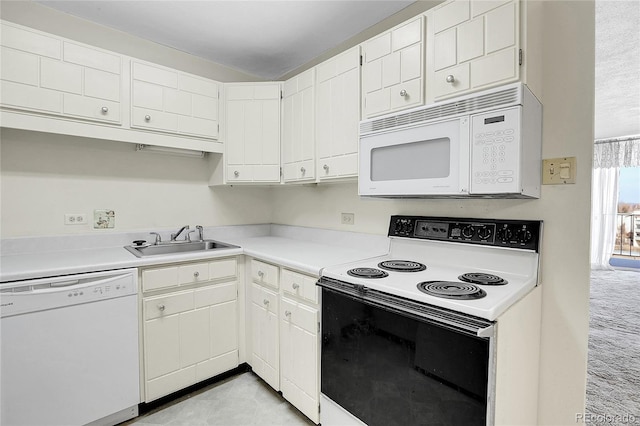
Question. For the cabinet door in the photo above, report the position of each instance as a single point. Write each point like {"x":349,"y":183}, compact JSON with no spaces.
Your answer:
{"x":170,"y":101}
{"x":252,"y":146}
{"x":392,"y":73}
{"x":472,"y":46}
{"x":338,"y":115}
{"x":299,"y":357}
{"x":298,"y":147}
{"x":42,"y":73}
{"x":264,"y":321}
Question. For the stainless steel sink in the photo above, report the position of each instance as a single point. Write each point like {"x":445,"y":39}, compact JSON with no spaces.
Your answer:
{"x":177,"y":247}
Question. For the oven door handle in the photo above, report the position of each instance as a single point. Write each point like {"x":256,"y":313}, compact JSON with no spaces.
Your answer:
{"x":487,"y":331}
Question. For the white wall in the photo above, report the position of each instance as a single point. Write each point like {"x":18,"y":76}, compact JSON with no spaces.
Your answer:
{"x":45,"y":176}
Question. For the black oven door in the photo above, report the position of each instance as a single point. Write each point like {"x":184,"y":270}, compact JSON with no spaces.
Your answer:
{"x":387,"y":361}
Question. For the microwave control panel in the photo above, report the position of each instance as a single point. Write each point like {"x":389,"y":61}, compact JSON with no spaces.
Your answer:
{"x":521,"y":234}
{"x":495,"y":152}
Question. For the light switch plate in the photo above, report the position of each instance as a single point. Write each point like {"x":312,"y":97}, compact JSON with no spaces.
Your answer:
{"x":559,"y":171}
{"x":104,"y":219}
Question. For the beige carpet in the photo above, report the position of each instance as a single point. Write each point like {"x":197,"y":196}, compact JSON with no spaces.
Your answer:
{"x":613,"y":382}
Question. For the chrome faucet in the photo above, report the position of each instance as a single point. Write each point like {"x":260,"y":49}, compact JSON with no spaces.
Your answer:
{"x":158,"y":238}
{"x":200,"y":233}
{"x":174,"y":236}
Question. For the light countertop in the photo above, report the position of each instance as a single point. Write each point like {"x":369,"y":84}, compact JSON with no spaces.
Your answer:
{"x":312,"y":250}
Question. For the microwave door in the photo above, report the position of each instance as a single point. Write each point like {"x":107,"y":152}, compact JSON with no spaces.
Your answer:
{"x":424,"y":160}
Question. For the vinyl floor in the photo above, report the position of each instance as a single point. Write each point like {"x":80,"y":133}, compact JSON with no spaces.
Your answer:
{"x":239,"y":400}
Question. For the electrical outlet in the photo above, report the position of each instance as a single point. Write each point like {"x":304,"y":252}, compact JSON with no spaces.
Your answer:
{"x":347,"y":218}
{"x":75,"y":219}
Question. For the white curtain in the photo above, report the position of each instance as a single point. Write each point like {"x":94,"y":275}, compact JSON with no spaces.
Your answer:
{"x":604,"y":209}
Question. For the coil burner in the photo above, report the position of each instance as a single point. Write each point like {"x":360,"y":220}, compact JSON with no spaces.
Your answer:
{"x":402,"y":266}
{"x":482,"y":278}
{"x":367,"y":273}
{"x":451,"y":290}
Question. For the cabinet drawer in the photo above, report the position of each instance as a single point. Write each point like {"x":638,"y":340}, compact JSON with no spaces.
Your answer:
{"x":158,"y":306}
{"x":300,"y":285}
{"x":299,"y":315}
{"x":263,"y":273}
{"x":225,"y":268}
{"x":193,"y":273}
{"x":151,"y":119}
{"x":216,"y":294}
{"x":239,"y":173}
{"x":94,"y":109}
{"x":154,"y":279}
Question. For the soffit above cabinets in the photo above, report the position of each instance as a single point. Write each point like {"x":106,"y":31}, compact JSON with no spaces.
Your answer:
{"x":263,"y":38}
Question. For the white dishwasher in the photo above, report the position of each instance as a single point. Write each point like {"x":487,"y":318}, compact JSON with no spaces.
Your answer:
{"x":70,"y":350}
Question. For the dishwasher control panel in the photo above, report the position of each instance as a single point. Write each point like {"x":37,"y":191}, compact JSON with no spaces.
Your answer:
{"x":21,"y":297}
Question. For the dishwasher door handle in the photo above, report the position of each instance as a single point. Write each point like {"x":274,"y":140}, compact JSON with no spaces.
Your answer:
{"x":64,"y":286}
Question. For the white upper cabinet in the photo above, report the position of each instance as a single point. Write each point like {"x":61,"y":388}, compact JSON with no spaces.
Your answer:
{"x":45,"y":74}
{"x":472,"y":45}
{"x":392,"y":71}
{"x":252,"y":144}
{"x":298,"y":138}
{"x":170,"y":101}
{"x":337,"y":115}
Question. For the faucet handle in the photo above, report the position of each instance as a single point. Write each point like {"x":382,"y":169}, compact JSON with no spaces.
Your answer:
{"x":187,"y":237}
{"x":158,"y":238}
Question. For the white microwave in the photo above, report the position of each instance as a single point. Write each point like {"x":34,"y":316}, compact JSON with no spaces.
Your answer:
{"x":487,"y":144}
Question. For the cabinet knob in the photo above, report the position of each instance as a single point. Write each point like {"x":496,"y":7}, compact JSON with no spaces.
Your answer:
{"x":287,"y":313}
{"x":265,"y":302}
{"x":302,"y":170}
{"x":196,"y":274}
{"x":147,"y":118}
{"x":326,"y":168}
{"x":403,"y":93}
{"x":161,"y":308}
{"x":451,"y":78}
{"x":105,"y":110}
{"x":236,"y":173}
{"x":295,"y":286}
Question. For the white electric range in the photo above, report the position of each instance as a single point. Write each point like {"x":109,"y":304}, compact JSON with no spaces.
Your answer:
{"x":418,"y":324}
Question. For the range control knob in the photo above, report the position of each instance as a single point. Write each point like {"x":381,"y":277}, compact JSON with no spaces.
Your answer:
{"x":524,"y":236}
{"x":467,"y":231}
{"x":504,"y":235}
{"x":485,"y":233}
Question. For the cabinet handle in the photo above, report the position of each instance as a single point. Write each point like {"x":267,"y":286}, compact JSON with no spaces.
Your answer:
{"x":105,"y":110}
{"x":196,"y":274}
{"x":260,"y":274}
{"x":403,"y":93}
{"x":265,"y":302}
{"x":147,"y":118}
{"x":326,"y":168}
{"x":295,"y":286}
{"x":161,"y":307}
{"x":451,"y":78}
{"x":236,"y":173}
{"x":302,"y":170}
{"x":287,"y":313}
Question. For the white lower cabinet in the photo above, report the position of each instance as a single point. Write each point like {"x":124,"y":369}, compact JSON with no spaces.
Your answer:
{"x":284,"y":334}
{"x":299,"y":356}
{"x":189,"y":334}
{"x":264,"y":321}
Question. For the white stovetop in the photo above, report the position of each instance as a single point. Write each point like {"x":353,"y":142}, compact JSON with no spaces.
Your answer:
{"x":446,"y":262}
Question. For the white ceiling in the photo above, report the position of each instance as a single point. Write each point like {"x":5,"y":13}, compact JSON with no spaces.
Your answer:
{"x":270,"y":38}
{"x":263,"y":38}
